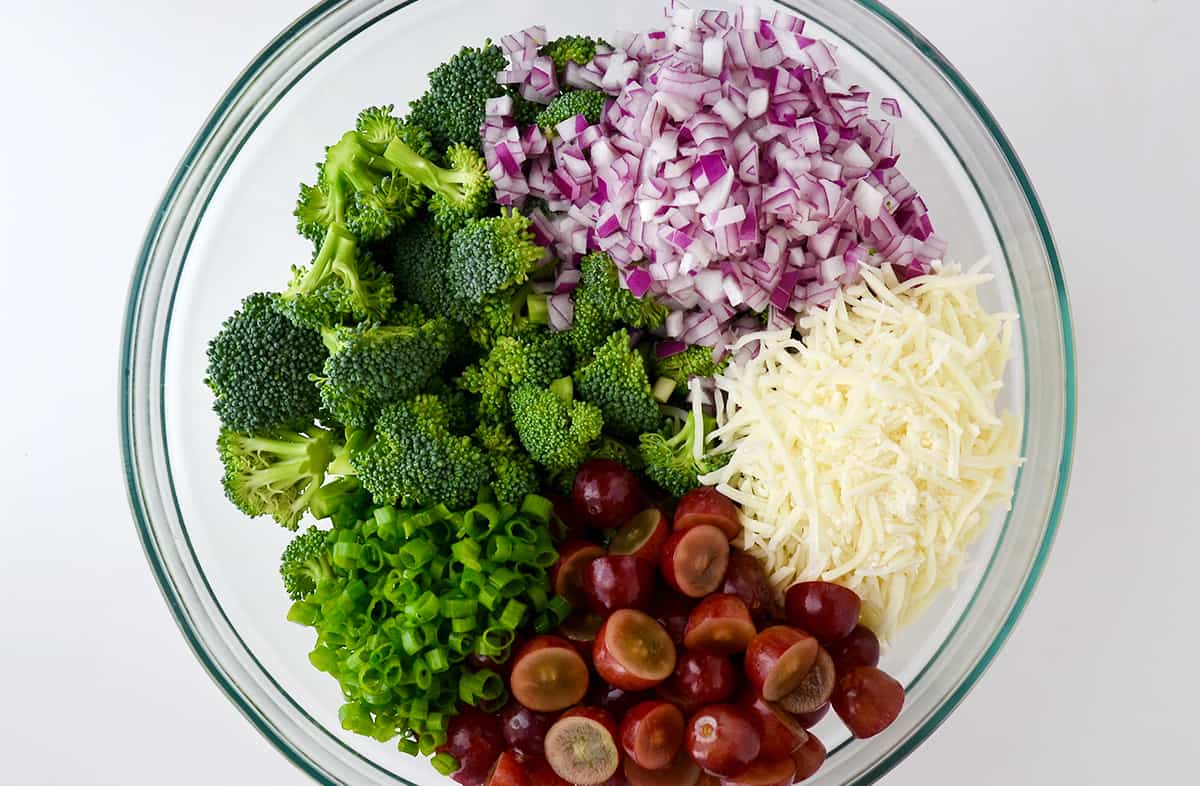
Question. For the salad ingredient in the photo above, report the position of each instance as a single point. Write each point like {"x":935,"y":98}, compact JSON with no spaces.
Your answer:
{"x":765,"y":772}
{"x":534,"y":359}
{"x":867,"y":700}
{"x":720,"y":623}
{"x":706,"y":505}
{"x":680,"y":362}
{"x":642,"y":536}
{"x":632,"y":651}
{"x":514,"y":473}
{"x":541,"y":773}
{"x":808,"y":758}
{"x":859,"y":648}
{"x":782,"y":734}
{"x":567,"y":576}
{"x":615,"y":701}
{"x":703,"y":677}
{"x":452,"y":109}
{"x":548,"y":675}
{"x":567,"y":106}
{"x":828,"y":611}
{"x":491,"y":254}
{"x":606,"y":493}
{"x":723,"y":739}
{"x":680,"y":772}
{"x":259,"y":366}
{"x":581,"y":629}
{"x":814,"y":689}
{"x":581,"y":746}
{"x":305,"y":564}
{"x":618,"y":582}
{"x":810,"y":719}
{"x":554,"y":427}
{"x":567,"y":49}
{"x":745,"y":578}
{"x":694,"y":560}
{"x":474,"y":744}
{"x":671,"y":458}
{"x":652,"y":733}
{"x":672,"y":610}
{"x":922,"y":456}
{"x":460,"y":191}
{"x":277,"y":475}
{"x":508,"y":771}
{"x":371,"y":367}
{"x":615,"y":381}
{"x":601,"y":304}
{"x":524,"y":729}
{"x":778,"y":659}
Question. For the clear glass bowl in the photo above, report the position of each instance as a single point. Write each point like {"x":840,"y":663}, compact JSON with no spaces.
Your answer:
{"x":224,"y":229}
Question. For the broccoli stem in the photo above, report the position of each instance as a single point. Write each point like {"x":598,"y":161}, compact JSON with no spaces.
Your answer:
{"x":416,"y":167}
{"x":564,"y":388}
{"x":337,"y":246}
{"x":539,"y":309}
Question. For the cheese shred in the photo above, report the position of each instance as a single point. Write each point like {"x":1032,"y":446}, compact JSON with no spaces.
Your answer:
{"x":870,"y":453}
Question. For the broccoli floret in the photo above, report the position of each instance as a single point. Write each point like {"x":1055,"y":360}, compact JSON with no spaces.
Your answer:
{"x":305,"y":563}
{"x":422,"y":254}
{"x":578,"y":49}
{"x":414,"y":458}
{"x":589,"y":103}
{"x":357,"y":187}
{"x":605,"y":448}
{"x":276,"y":475}
{"x":695,"y":361}
{"x":555,"y":429}
{"x":515,"y":473}
{"x":616,"y":382}
{"x":514,"y":313}
{"x":461,"y":191}
{"x":601,"y":304}
{"x":489,"y":255}
{"x":670,"y":460}
{"x":342,"y":284}
{"x":259,"y":366}
{"x":536,"y":359}
{"x":370,"y":367}
{"x":452,"y":109}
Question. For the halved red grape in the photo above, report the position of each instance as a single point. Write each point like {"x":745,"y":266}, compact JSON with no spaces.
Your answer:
{"x":814,"y":690}
{"x":859,"y":648}
{"x":613,"y":700}
{"x":652,"y":733}
{"x":694,"y":560}
{"x":746,"y":578}
{"x":723,"y":739}
{"x":867,"y":700}
{"x":808,"y":758}
{"x":606,"y":494}
{"x":618,"y":582}
{"x":810,"y":719}
{"x":777,"y":660}
{"x":703,"y":678}
{"x":524,"y":729}
{"x":781,"y":733}
{"x":567,"y":574}
{"x":548,"y":675}
{"x":580,"y":629}
{"x":508,"y":772}
{"x":719,"y":623}
{"x":632,"y":651}
{"x":827,"y":611}
{"x":567,"y":524}
{"x":475,"y":739}
{"x":541,"y":773}
{"x":642,"y":536}
{"x":706,"y":505}
{"x":680,"y":772}
{"x":672,"y":611}
{"x":581,"y":746}
{"x":765,"y":772}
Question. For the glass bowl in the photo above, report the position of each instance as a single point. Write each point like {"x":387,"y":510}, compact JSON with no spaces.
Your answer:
{"x":224,"y":229}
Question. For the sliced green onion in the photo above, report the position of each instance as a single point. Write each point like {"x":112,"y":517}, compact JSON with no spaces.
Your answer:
{"x":459,"y":607}
{"x":500,"y":548}
{"x":462,"y":624}
{"x":437,"y":660}
{"x":416,"y":553}
{"x":522,"y":530}
{"x":514,"y":612}
{"x":479,"y":520}
{"x":345,"y":555}
{"x":489,"y":596}
{"x":508,"y":582}
{"x":303,"y":613}
{"x":467,"y":553}
{"x":410,"y":748}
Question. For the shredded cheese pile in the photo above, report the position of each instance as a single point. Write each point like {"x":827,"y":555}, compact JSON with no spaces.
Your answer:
{"x":871,"y":453}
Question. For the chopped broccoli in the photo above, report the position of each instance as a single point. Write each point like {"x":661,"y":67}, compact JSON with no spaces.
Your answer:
{"x":422,"y":254}
{"x":695,"y":361}
{"x":515,"y":473}
{"x":372,"y":366}
{"x":461,"y":191}
{"x":616,"y":382}
{"x":578,"y":49}
{"x":452,"y":109}
{"x":601,"y":304}
{"x":414,"y":458}
{"x":555,"y":429}
{"x":536,"y":359}
{"x":589,"y":103}
{"x":342,"y":284}
{"x":489,"y":255}
{"x":514,"y":313}
{"x":605,"y":448}
{"x":259,"y":367}
{"x":277,"y":474}
{"x":671,"y":461}
{"x":305,"y":563}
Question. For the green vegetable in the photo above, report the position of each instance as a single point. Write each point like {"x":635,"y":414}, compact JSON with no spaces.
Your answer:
{"x":615,"y":381}
{"x":422,"y":256}
{"x":452,"y":109}
{"x":370,"y":367}
{"x":589,"y":103}
{"x":399,"y":599}
{"x":555,"y":429}
{"x":259,"y":366}
{"x":489,"y":255}
{"x":514,"y":313}
{"x":695,"y":361}
{"x":343,"y":283}
{"x":461,"y":191}
{"x":670,"y":459}
{"x":577,"y":49}
{"x":537,"y":359}
{"x":515,"y":474}
{"x":276,"y":475}
{"x":601,"y":304}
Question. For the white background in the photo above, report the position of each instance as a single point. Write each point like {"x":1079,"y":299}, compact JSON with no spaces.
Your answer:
{"x":1098,"y":684}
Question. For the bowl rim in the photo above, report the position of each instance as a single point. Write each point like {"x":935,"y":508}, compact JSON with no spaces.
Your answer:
{"x":237,"y":92}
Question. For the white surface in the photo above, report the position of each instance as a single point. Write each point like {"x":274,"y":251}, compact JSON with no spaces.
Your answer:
{"x":1095,"y":686}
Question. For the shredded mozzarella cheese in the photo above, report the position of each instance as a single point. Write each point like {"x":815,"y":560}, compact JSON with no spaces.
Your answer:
{"x":871,"y":452}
